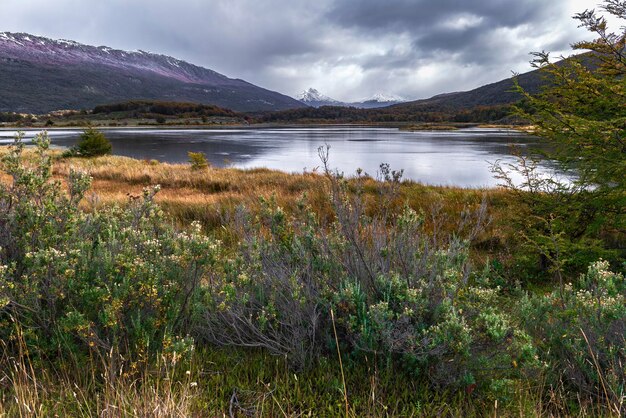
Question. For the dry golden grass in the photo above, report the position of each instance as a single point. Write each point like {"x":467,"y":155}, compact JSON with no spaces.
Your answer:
{"x":27,"y":390}
{"x":189,"y":194}
{"x":204,"y":195}
{"x":128,"y":171}
{"x":115,"y":176}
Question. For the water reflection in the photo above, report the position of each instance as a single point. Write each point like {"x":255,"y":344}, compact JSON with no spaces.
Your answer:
{"x":460,"y":158}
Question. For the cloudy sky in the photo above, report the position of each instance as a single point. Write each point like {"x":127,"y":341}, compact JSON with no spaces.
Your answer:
{"x":347,"y":49}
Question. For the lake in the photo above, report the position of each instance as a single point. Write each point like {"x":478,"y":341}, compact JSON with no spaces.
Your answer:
{"x":458,"y":158}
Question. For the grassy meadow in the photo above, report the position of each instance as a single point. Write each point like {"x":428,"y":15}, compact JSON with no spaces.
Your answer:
{"x":189,"y":195}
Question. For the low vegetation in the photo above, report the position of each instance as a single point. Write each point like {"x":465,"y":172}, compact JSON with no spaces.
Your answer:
{"x":92,"y":143}
{"x":352,"y":272}
{"x":429,"y":127}
{"x":136,"y":112}
{"x":10,"y":117}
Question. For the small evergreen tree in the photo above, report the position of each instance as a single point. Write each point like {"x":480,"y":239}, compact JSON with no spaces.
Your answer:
{"x":198,"y":161}
{"x":92,"y":143}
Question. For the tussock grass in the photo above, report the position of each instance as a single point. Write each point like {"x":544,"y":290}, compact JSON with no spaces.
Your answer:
{"x":30,"y":391}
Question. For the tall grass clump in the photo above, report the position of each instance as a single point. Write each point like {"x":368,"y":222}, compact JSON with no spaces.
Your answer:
{"x":118,"y":284}
{"x":161,"y":390}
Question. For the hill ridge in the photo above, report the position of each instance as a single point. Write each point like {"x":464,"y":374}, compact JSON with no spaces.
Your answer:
{"x":82,"y":76}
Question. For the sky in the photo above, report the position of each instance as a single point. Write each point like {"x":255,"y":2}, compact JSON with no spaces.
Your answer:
{"x":347,"y":49}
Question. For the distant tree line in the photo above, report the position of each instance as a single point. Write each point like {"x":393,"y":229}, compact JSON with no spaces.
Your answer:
{"x":143,"y":108}
{"x":415,"y":113}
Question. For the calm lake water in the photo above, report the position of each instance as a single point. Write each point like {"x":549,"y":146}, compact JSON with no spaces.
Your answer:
{"x":459,"y":158}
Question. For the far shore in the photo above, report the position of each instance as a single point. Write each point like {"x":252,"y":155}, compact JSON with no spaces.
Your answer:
{"x":408,"y":126}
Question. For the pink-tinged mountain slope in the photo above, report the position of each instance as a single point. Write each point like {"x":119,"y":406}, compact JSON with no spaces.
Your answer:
{"x":39,"y":74}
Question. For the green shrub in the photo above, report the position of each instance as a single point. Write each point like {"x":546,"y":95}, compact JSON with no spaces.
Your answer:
{"x":198,"y":161}
{"x":269,"y":293}
{"x":92,"y":143}
{"x":114,"y":281}
{"x":583,"y":330}
{"x":399,"y":294}
{"x":437,"y":325}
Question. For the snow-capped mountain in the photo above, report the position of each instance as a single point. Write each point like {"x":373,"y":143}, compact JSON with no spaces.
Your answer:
{"x":384,"y":98}
{"x":314,"y":98}
{"x":41,"y":74}
{"x":379,"y":100}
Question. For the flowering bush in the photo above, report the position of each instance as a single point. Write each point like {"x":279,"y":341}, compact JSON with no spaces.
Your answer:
{"x":397,"y":292}
{"x":583,"y":327}
{"x":114,"y":280}
{"x":438,"y":326}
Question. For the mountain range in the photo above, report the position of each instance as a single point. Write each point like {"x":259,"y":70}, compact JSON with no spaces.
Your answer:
{"x":314,"y":98}
{"x":38,"y":75}
{"x":486,"y":104}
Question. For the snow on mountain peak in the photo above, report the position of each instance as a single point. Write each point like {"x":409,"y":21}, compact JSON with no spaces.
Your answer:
{"x":384,"y":98}
{"x":41,"y":49}
{"x":67,"y":42}
{"x":313,"y":95}
{"x":10,"y":37}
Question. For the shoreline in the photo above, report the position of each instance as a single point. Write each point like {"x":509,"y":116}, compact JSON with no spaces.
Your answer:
{"x":398,"y":125}
{"x":119,"y":134}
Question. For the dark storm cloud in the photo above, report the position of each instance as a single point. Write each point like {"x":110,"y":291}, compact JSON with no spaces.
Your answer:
{"x":345,"y":48}
{"x":445,"y":25}
{"x":417,"y":14}
{"x":479,"y":40}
